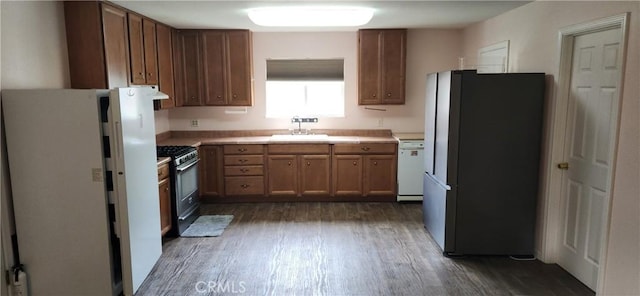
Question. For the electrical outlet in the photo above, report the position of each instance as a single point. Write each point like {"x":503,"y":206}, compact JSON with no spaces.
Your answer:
{"x":195,"y":123}
{"x":380,"y":122}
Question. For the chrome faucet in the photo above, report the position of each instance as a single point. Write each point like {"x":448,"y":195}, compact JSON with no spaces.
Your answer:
{"x":299,"y":121}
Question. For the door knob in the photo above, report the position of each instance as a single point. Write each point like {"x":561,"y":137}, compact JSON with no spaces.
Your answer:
{"x":563,"y":165}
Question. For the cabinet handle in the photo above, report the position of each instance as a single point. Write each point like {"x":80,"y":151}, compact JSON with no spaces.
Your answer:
{"x":373,"y":95}
{"x":375,"y":163}
{"x":166,"y":189}
{"x":218,"y":97}
{"x":365,"y":148}
{"x":244,"y":170}
{"x":355,"y":163}
{"x":140,"y":74}
{"x":242,"y":160}
{"x":389,"y":94}
{"x":235,"y":96}
{"x":244,"y":186}
{"x":289,"y":163}
{"x":150,"y":74}
{"x":242,"y":149}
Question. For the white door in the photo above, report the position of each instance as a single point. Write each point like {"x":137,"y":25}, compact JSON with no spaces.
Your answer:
{"x":591,"y":122}
{"x":136,"y":183}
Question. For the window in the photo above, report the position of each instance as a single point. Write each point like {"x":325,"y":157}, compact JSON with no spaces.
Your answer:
{"x":306,"y":88}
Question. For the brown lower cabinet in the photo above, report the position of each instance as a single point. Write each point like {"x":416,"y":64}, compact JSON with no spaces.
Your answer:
{"x":243,"y":170}
{"x":211,"y":171}
{"x":365,"y":169}
{"x":164,"y":189}
{"x":294,"y":174}
{"x":290,"y":172}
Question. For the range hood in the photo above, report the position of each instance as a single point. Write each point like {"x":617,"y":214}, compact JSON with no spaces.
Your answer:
{"x":156,"y":93}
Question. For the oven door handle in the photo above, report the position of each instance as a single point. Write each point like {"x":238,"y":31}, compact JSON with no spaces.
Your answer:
{"x":184,"y":217}
{"x":187,"y":167}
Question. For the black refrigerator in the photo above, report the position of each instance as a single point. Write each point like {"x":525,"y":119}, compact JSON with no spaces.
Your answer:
{"x":482,"y":156}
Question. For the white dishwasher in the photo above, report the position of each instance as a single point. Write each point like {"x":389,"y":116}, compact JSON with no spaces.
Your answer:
{"x":410,"y":169}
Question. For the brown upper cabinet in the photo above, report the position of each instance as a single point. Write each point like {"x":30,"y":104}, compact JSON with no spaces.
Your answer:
{"x":97,"y":41}
{"x":110,"y":47}
{"x":142,"y":49}
{"x":188,"y":72}
{"x":381,"y":66}
{"x":165,"y":65}
{"x":214,"y":67}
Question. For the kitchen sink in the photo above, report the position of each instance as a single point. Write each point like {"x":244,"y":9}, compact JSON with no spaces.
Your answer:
{"x":294,"y":137}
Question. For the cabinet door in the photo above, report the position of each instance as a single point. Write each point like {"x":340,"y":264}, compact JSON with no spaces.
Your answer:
{"x":369,"y":67}
{"x":380,"y":175}
{"x":116,"y":46}
{"x":83,"y":24}
{"x":283,"y":175}
{"x":393,"y":50}
{"x":164,"y":187}
{"x":214,"y":67}
{"x":347,"y":175}
{"x":178,"y":73}
{"x":165,"y":65}
{"x":211,"y":171}
{"x":136,"y":49}
{"x":150,"y":52}
{"x":191,"y":68}
{"x":315,"y":172}
{"x":239,"y":68}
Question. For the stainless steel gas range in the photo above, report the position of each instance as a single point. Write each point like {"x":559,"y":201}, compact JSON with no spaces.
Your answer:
{"x":185,"y":204}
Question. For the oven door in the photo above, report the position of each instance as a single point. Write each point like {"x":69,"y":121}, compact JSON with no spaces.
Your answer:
{"x":187,"y":193}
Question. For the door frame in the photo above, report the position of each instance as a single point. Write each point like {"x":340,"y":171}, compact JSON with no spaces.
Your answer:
{"x":552,"y":217}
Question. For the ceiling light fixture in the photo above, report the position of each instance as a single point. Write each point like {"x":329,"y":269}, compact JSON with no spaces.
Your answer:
{"x":310,"y":16}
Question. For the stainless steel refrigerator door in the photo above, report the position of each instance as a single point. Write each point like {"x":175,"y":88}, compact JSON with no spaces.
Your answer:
{"x":136,"y":187}
{"x":54,"y":148}
{"x":447,"y":124}
{"x":430,"y":122}
{"x":439,"y":215}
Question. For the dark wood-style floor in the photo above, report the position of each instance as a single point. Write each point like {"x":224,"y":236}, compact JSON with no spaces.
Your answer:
{"x":338,"y":249}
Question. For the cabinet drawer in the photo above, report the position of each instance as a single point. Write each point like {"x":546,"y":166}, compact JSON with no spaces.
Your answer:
{"x":365,"y":148}
{"x":163,"y":171}
{"x":243,"y":149}
{"x":245,"y":170}
{"x":243,"y":159}
{"x":244,"y":185}
{"x":298,"y":149}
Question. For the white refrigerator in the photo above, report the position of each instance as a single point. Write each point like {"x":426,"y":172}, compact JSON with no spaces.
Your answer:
{"x":83,"y":175}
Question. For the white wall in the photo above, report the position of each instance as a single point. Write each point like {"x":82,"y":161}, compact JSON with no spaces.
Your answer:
{"x":534,"y":46}
{"x":427,"y":51}
{"x":34,"y":55}
{"x":161,"y":118}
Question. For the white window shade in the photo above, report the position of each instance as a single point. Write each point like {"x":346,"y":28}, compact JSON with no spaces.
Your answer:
{"x":307,"y":69}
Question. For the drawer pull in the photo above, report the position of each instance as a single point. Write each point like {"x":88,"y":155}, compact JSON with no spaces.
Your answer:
{"x":242,"y":160}
{"x":289,"y":163}
{"x":244,"y":186}
{"x":244,"y":170}
{"x":389,"y":94}
{"x":166,"y":189}
{"x":242,"y":149}
{"x":375,"y":163}
{"x":355,"y":163}
{"x":308,"y":163}
{"x":365,"y":148}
